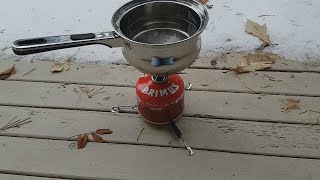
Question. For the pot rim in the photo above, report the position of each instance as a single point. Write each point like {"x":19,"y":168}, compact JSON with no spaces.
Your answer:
{"x":196,"y":6}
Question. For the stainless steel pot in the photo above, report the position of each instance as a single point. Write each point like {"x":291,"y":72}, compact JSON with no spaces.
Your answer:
{"x":156,"y":36}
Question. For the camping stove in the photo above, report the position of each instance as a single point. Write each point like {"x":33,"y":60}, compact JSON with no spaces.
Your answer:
{"x":160,"y":98}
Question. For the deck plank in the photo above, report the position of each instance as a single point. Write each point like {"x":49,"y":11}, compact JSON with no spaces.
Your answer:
{"x":251,"y":107}
{"x":304,"y":84}
{"x":117,"y":161}
{"x":200,"y":133}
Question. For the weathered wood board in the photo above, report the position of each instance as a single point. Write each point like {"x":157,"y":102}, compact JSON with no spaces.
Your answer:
{"x":200,"y":133}
{"x":120,"y":161}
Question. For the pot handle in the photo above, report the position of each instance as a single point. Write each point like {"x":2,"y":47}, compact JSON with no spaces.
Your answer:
{"x":43,"y":44}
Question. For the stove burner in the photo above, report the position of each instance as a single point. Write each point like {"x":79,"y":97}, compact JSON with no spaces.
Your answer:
{"x":159,"y":78}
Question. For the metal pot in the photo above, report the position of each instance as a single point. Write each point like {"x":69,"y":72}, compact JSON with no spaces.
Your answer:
{"x":156,"y":36}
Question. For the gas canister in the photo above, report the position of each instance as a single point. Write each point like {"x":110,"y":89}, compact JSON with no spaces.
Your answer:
{"x":160,"y":98}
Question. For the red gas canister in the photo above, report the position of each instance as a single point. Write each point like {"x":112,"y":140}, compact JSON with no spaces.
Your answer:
{"x":160,"y":98}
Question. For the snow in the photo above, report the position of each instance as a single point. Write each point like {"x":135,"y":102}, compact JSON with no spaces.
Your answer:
{"x":293,"y":26}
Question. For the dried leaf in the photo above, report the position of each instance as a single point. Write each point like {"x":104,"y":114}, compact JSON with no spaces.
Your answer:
{"x":291,"y":104}
{"x":252,"y":67}
{"x":103,"y":131}
{"x":57,"y":67}
{"x":84,"y":141}
{"x":261,"y":57}
{"x":96,"y":137}
{"x":203,"y":1}
{"x":79,"y":141}
{"x":258,"y":31}
{"x":7,"y":73}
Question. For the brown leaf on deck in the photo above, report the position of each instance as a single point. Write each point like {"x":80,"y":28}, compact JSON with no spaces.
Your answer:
{"x":257,"y":30}
{"x":96,"y":137}
{"x":290,"y":104}
{"x":84,"y":141}
{"x":79,"y":141}
{"x":251,"y":68}
{"x":7,"y":73}
{"x":103,"y":131}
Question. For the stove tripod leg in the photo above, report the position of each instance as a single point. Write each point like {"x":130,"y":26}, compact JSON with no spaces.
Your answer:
{"x":179,"y":135}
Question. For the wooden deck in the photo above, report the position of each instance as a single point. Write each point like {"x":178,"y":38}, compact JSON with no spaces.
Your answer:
{"x":234,"y":123}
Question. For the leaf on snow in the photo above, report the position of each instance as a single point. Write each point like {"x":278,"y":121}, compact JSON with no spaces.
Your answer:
{"x":96,"y":137}
{"x":103,"y":131}
{"x":7,"y":73}
{"x":203,"y":1}
{"x":251,"y":67}
{"x":291,"y":104}
{"x":258,"y":31}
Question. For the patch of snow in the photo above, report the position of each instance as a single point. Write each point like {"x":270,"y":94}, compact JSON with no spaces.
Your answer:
{"x":293,"y":26}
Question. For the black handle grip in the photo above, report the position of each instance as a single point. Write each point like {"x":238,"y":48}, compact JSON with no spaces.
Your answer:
{"x":175,"y":129}
{"x":77,"y":37}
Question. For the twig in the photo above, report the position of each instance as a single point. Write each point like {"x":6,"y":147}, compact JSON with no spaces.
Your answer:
{"x":91,"y":90}
{"x":303,"y":112}
{"x":96,"y":92}
{"x":17,"y":123}
{"x":267,"y":86}
{"x":264,"y":45}
{"x":8,"y":123}
{"x":29,"y":71}
{"x":266,"y":15}
{"x":245,"y":85}
{"x":140,"y":133}
{"x":315,"y":111}
{"x":84,"y":91}
{"x":106,"y":98}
